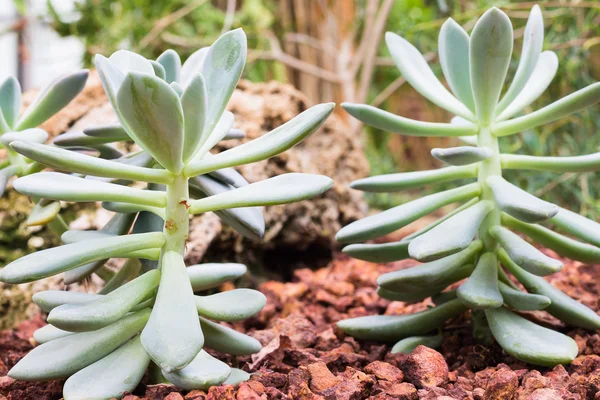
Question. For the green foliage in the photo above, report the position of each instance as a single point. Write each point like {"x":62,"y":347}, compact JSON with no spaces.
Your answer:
{"x":475,"y":242}
{"x":147,"y":312}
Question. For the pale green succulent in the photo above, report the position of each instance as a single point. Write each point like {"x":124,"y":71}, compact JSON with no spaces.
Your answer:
{"x":104,"y":343}
{"x":15,"y":125}
{"x":474,"y":241}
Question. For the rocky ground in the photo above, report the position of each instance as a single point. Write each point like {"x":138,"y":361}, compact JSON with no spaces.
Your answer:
{"x":306,"y":357}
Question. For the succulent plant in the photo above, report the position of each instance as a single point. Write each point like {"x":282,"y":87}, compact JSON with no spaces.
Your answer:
{"x":477,"y":241}
{"x":105,"y":342}
{"x":15,"y":125}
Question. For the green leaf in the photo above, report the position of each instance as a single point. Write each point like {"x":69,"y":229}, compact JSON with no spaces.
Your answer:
{"x":464,"y":155}
{"x":395,"y":218}
{"x":441,"y":272}
{"x":127,"y":273}
{"x":540,"y":79}
{"x":585,"y":163}
{"x":119,"y":372}
{"x":41,"y":214}
{"x":529,"y":342}
{"x":480,"y":291}
{"x":235,"y":133}
{"x":452,"y":235}
{"x":114,"y":133}
{"x":490,"y":49}
{"x":57,"y":186}
{"x":50,"y":299}
{"x":444,"y":297}
{"x":171,"y":63}
{"x":226,"y":340}
{"x":64,"y":356}
{"x":394,"y":327}
{"x":34,"y":135}
{"x":379,"y":253}
{"x":393,"y":123}
{"x":236,"y":377}
{"x":533,"y":40}
{"x":53,"y":99}
{"x":79,"y":139}
{"x":518,"y":203}
{"x":159,"y":70}
{"x":52,"y":261}
{"x":127,"y":61}
{"x":411,"y":297}
{"x":110,"y":308}
{"x":48,"y":333}
{"x":132,"y":208}
{"x":177,"y":88}
{"x":202,"y":373}
{"x":453,"y":48}
{"x":449,"y":215}
{"x":577,"y":225}
{"x":562,"y":306}
{"x":523,"y":301}
{"x":525,"y":255}
{"x":407,"y":180}
{"x":5,"y":175}
{"x":416,"y":71}
{"x":71,"y":161}
{"x":193,"y":66}
{"x":282,"y":189}
{"x":222,"y":69}
{"x":153,"y":117}
{"x":232,"y":305}
{"x":570,"y":104}
{"x":268,"y":145}
{"x":210,"y":139}
{"x":209,"y":276}
{"x":194,"y":103}
{"x":564,"y":246}
{"x":10,"y":100}
{"x":229,"y":176}
{"x":407,"y":345}
{"x":173,"y":336}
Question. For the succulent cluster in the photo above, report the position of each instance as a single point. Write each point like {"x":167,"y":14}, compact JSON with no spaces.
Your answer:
{"x":13,"y":127}
{"x":147,"y":316}
{"x":477,"y":241}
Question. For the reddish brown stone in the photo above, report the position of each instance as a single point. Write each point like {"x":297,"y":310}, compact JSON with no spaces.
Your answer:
{"x":321,"y":377}
{"x":245,"y":392}
{"x":425,"y":367}
{"x":545,"y":394}
{"x":385,"y":371}
{"x":502,"y":385}
{"x":225,"y":392}
{"x":196,"y":395}
{"x":174,"y":396}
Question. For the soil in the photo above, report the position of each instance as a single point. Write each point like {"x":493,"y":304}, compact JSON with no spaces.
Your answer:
{"x":306,"y":357}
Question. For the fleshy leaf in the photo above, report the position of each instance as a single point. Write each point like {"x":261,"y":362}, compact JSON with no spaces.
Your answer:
{"x":171,"y":63}
{"x":450,"y":236}
{"x":35,"y":135}
{"x":232,"y":305}
{"x":441,"y":272}
{"x":59,"y":259}
{"x":64,"y":356}
{"x":127,"y":273}
{"x":395,"y":218}
{"x":42,"y":214}
{"x":173,"y":336}
{"x":525,"y":255}
{"x":110,"y":308}
{"x":194,"y":103}
{"x":408,"y":344}
{"x":203,"y":372}
{"x":394,"y":327}
{"x":462,"y":155}
{"x":268,"y":145}
{"x":216,"y":135}
{"x":518,"y":203}
{"x":193,"y":65}
{"x":540,"y":79}
{"x":578,"y":225}
{"x":406,"y":180}
{"x":50,"y":299}
{"x":226,"y":340}
{"x":112,"y":376}
{"x":234,"y":133}
{"x":570,"y":104}
{"x":48,"y":333}
{"x":393,"y":123}
{"x":57,"y":186}
{"x":411,"y":297}
{"x":529,"y":342}
{"x":453,"y":48}
{"x":153,"y":117}
{"x":114,"y":132}
{"x":10,"y":100}
{"x":236,"y":377}
{"x":381,"y":253}
{"x":562,"y":306}
{"x":127,"y":61}
{"x":209,"y":276}
{"x":480,"y":291}
{"x":222,"y":69}
{"x":585,"y":163}
{"x":523,"y":301}
{"x":52,"y":99}
{"x":533,"y":39}
{"x":159,"y":70}
{"x":281,"y":189}
{"x":5,"y":174}
{"x":416,"y":71}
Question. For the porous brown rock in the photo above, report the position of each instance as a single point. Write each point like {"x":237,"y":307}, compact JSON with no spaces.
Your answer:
{"x":425,"y":367}
{"x":502,"y":385}
{"x":384,"y":371}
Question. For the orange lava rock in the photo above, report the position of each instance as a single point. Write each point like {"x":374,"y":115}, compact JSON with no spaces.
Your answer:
{"x":174,"y":396}
{"x":384,"y":371}
{"x":502,"y":385}
{"x":425,"y":367}
{"x":245,"y":392}
{"x":196,"y":395}
{"x":225,"y":392}
{"x":545,"y":394}
{"x":403,"y":391}
{"x":321,"y":377}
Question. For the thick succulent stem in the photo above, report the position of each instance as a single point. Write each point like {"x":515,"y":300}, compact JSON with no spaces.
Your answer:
{"x":176,"y":216}
{"x":487,"y":168}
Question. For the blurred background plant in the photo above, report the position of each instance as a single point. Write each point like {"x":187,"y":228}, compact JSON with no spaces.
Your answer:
{"x":332,"y":51}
